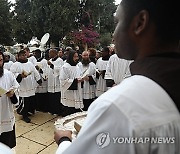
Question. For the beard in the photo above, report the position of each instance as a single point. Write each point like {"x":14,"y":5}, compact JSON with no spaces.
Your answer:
{"x":85,"y":62}
{"x":1,"y":71}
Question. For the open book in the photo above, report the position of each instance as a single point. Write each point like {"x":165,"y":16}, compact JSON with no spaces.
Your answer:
{"x":25,"y":73}
{"x":85,"y":73}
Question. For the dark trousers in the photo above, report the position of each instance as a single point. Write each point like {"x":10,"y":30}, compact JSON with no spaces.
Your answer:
{"x":54,"y":104}
{"x":42,"y":102}
{"x":87,"y":103}
{"x":9,"y":138}
{"x":26,"y":104}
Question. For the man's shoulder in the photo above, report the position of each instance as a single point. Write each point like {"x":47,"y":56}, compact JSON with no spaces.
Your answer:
{"x":138,"y":96}
{"x":7,"y":72}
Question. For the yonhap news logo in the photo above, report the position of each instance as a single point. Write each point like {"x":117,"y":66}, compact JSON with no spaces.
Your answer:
{"x":103,"y":140}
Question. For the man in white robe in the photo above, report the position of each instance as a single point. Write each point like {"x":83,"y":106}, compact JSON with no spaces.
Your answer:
{"x":71,"y":87}
{"x":7,"y":62}
{"x":55,"y":63}
{"x":8,"y":85}
{"x":144,"y":108}
{"x":117,"y":69}
{"x":89,"y":85}
{"x":28,"y":78}
{"x":100,"y":73}
{"x":41,"y":91}
{"x":31,"y":58}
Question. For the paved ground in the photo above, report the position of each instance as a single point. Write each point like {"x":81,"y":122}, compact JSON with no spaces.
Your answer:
{"x":36,"y":137}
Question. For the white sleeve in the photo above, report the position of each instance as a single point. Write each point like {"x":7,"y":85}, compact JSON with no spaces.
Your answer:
{"x":65,"y":81}
{"x":108,"y":74}
{"x":63,"y":146}
{"x":57,"y":67}
{"x":104,"y":121}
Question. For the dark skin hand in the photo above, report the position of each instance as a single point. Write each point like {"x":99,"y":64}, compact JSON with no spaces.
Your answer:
{"x":58,"y":134}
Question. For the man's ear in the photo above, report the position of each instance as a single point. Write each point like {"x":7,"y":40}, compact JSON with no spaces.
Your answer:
{"x":141,"y":21}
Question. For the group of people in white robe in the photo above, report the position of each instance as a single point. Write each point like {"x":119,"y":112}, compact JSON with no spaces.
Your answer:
{"x":63,"y":87}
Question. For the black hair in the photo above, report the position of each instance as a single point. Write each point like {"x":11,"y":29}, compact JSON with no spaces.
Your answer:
{"x":1,"y":53}
{"x":163,"y":13}
{"x":105,"y":49}
{"x":21,"y":52}
{"x":37,"y":51}
{"x":70,"y":58}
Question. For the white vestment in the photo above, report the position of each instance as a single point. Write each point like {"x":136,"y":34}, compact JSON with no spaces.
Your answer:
{"x":101,"y":83}
{"x":117,"y":69}
{"x":71,"y":98}
{"x":33,"y":60}
{"x":89,"y":70}
{"x":44,"y":66}
{"x":138,"y":108}
{"x":7,"y":65}
{"x":28,"y":85}
{"x":53,"y":75}
{"x":7,"y":118}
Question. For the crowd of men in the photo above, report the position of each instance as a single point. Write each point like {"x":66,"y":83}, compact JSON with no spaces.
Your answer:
{"x":60,"y":83}
{"x":142,"y":111}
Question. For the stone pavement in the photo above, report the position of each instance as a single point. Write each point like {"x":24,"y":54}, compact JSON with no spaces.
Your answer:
{"x":36,"y":137}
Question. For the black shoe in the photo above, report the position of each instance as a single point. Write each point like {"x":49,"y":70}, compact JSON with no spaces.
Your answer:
{"x":26,"y":119}
{"x":28,"y":114}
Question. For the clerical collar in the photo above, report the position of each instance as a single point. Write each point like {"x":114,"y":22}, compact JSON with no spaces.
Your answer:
{"x":106,"y":57}
{"x":55,"y":58}
{"x":6,"y":61}
{"x":23,"y":61}
{"x":164,"y":69}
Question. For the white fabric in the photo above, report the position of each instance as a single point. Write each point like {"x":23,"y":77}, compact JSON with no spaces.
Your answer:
{"x":117,"y":69}
{"x":88,"y":90}
{"x":7,"y":118}
{"x":7,"y":65}
{"x":53,"y":75}
{"x":28,"y":85}
{"x":44,"y":66}
{"x":101,"y":83}
{"x":70,"y":98}
{"x":64,"y":146}
{"x":33,"y":60}
{"x":5,"y":149}
{"x":138,"y":107}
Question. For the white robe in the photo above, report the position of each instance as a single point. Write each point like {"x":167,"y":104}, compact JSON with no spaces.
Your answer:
{"x":7,"y":118}
{"x":28,"y":85}
{"x":53,"y":75}
{"x":33,"y":60}
{"x":70,"y":98}
{"x":44,"y":66}
{"x":117,"y":69}
{"x":136,"y":108}
{"x":101,"y":83}
{"x":7,"y":65}
{"x":88,"y":90}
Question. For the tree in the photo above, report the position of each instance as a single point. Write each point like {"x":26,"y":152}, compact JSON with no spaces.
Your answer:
{"x":86,"y":37}
{"x":60,"y":17}
{"x":63,"y":18}
{"x":5,"y":23}
{"x":21,"y":21}
{"x":101,"y":13}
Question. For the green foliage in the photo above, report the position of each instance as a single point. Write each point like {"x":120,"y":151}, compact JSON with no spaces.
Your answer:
{"x":5,"y":23}
{"x":60,"y":17}
{"x":106,"y":39}
{"x":21,"y":21}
